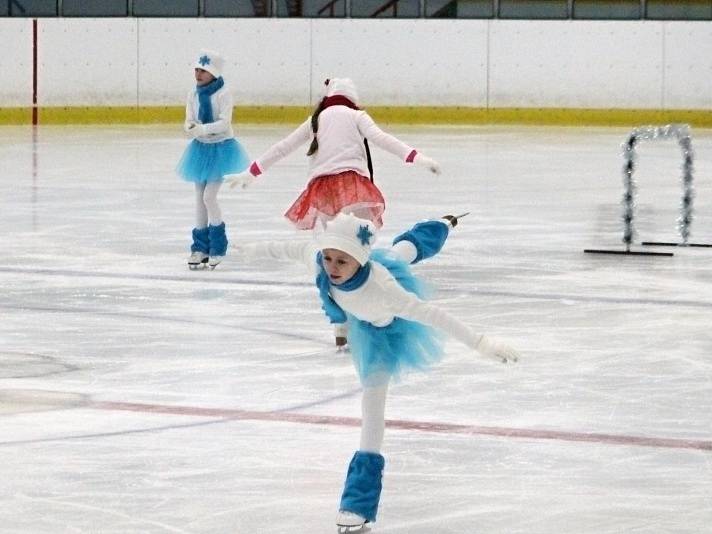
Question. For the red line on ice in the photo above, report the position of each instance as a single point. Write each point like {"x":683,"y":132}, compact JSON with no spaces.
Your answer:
{"x":423,"y":426}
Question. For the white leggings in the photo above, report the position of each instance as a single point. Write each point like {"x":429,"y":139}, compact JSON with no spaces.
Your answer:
{"x":207,"y":210}
{"x":373,"y":417}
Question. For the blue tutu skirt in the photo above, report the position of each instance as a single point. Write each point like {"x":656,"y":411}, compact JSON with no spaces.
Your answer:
{"x":383,"y":353}
{"x":210,"y":162}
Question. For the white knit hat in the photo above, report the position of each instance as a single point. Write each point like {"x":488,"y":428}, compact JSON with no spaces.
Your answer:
{"x":210,"y":61}
{"x":344,"y":87}
{"x":349,"y":234}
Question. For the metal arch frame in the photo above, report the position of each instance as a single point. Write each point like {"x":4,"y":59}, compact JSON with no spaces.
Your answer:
{"x":682,"y":133}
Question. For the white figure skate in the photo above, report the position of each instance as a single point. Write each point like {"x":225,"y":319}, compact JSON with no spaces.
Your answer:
{"x":350,"y":523}
{"x":340,"y":332}
{"x":197,"y":260}
{"x":454,"y":219}
{"x":214,"y":261}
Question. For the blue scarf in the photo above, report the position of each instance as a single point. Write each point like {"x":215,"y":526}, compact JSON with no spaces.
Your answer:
{"x":205,"y":110}
{"x":399,"y":269}
{"x":332,"y":309}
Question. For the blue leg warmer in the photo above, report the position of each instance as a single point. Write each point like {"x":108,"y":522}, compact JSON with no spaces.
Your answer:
{"x":200,"y":240}
{"x":362,"y":489}
{"x":218,"y":240}
{"x":428,"y":238}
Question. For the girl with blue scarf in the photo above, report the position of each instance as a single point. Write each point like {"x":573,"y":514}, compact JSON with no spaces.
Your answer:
{"x":391,"y":329}
{"x":212,"y":153}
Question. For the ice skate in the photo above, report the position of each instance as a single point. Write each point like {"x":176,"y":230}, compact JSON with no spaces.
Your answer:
{"x":214,"y":261}
{"x":454,"y":219}
{"x":348,"y":522}
{"x":197,"y":260}
{"x":340,"y":339}
{"x":341,"y":344}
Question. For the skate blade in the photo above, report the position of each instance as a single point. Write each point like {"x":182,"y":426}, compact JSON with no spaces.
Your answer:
{"x":359,"y":529}
{"x":195,"y":266}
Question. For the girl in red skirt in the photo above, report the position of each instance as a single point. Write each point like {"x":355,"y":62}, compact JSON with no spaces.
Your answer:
{"x":340,"y":171}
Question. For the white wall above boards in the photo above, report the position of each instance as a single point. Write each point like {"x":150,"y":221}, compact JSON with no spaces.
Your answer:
{"x":266,"y":61}
{"x":402,"y":63}
{"x":87,"y":62}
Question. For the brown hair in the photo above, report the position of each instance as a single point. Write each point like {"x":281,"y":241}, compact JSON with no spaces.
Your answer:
{"x":315,"y":126}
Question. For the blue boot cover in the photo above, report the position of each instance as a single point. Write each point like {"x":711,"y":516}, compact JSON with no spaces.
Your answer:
{"x":200,"y":240}
{"x":218,"y":240}
{"x":428,"y":238}
{"x":362,"y":489}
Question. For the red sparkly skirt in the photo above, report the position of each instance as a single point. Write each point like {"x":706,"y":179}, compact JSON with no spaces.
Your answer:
{"x":327,"y":195}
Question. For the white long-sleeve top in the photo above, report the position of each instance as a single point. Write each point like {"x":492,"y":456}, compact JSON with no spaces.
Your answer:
{"x":379,"y":300}
{"x":221,"y":127}
{"x":340,"y":135}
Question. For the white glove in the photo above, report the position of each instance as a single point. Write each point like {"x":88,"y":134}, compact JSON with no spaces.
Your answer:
{"x":495,"y":349}
{"x":195,"y":130}
{"x":243,"y":179}
{"x":429,"y":163}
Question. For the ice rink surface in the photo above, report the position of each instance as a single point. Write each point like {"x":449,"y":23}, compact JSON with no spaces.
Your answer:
{"x":139,"y":397}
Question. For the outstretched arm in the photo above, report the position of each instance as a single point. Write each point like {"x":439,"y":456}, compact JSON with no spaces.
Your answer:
{"x":275,"y":153}
{"x":298,"y":251}
{"x":370,"y":130}
{"x":408,"y":306}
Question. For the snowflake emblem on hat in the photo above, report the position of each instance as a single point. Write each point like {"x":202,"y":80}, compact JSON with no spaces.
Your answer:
{"x":365,"y":235}
{"x":204,"y":60}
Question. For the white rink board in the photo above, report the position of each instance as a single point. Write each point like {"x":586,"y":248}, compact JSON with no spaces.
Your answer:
{"x":688,"y":70}
{"x":421,"y":62}
{"x":260,"y":69}
{"x":571,"y":64}
{"x":16,"y":62}
{"x":87,"y":62}
{"x":478,"y":63}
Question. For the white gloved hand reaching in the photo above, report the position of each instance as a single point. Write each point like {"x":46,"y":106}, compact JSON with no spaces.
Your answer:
{"x":495,"y":349}
{"x":243,"y":179}
{"x":429,"y":163}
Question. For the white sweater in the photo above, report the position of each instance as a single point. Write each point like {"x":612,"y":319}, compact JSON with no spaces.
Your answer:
{"x":340,"y":135}
{"x":221,"y":128}
{"x":380,"y":299}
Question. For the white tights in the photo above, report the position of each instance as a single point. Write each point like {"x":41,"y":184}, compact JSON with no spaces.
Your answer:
{"x":373,"y":417}
{"x":207,"y":210}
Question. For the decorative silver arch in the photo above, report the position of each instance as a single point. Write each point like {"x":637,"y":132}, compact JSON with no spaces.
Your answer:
{"x":682,"y":133}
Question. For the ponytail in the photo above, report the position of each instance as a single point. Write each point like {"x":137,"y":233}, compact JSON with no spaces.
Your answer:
{"x":315,"y":126}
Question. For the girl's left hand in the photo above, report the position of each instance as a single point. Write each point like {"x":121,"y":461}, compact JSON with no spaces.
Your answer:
{"x":493,"y":348}
{"x":429,"y":163}
{"x":243,"y":179}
